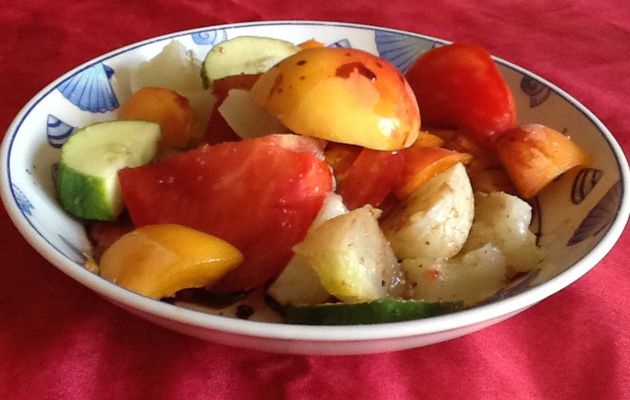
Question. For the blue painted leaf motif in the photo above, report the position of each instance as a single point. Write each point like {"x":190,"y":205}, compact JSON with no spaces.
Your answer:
{"x":22,"y":201}
{"x":77,"y":255}
{"x":57,"y":131}
{"x":90,"y":89}
{"x":584,"y":183}
{"x":400,"y":50}
{"x":210,"y":37}
{"x":344,"y":43}
{"x":600,"y":217}
{"x":536,"y":91}
{"x":518,"y":285}
{"x":536,"y":225}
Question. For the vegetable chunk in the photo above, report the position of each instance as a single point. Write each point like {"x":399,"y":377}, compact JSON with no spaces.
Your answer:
{"x":503,"y":220}
{"x":435,"y":220}
{"x":261,"y":195}
{"x":352,"y":257}
{"x":159,"y":260}
{"x":471,"y":277}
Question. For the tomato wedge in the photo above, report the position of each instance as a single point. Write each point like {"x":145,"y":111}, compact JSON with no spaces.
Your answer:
{"x":371,"y":177}
{"x":260,"y":195}
{"x":340,"y":157}
{"x":459,"y":86}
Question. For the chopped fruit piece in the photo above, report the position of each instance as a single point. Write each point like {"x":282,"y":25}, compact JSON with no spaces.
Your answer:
{"x":166,"y":107}
{"x":423,"y":163}
{"x":260,"y":194}
{"x":342,"y":95}
{"x":159,"y":260}
{"x":534,"y":155}
{"x":371,"y":177}
{"x":459,"y":86}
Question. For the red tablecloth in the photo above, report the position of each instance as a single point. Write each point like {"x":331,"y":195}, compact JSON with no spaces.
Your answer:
{"x":59,"y":340}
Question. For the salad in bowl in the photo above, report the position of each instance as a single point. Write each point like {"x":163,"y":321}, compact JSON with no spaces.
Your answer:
{"x":281,"y":192}
{"x":302,"y":180}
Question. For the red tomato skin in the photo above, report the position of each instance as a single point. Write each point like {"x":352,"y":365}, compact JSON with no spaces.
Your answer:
{"x":218,"y":130}
{"x":221,"y":87}
{"x":459,"y":86}
{"x":256,"y":194}
{"x":371,"y":177}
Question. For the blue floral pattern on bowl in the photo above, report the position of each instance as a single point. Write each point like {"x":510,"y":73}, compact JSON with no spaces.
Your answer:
{"x":536,"y":90}
{"x":584,"y":183}
{"x":341,"y":43}
{"x":22,"y":201}
{"x":90,"y":89}
{"x":401,"y":50}
{"x":57,"y":131}
{"x":209,"y":37}
{"x":600,"y":217}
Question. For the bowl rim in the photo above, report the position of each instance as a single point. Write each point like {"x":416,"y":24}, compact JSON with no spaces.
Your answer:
{"x":156,"y":308}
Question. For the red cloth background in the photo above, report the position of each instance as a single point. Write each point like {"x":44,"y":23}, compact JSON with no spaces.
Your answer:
{"x":58,"y":340}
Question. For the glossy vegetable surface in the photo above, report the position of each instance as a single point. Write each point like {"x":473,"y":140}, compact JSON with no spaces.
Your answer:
{"x":459,"y":86}
{"x":159,"y":260}
{"x":260,"y":195}
{"x":342,"y":95}
{"x":534,"y":155}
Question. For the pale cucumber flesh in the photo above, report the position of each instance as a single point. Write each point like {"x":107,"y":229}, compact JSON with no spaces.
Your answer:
{"x":87,"y":180}
{"x":244,"y":55}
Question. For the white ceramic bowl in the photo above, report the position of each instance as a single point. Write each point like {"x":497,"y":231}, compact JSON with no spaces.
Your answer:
{"x":578,"y":218}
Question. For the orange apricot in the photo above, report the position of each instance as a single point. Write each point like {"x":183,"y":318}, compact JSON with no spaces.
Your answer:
{"x":534,"y":155}
{"x":166,"y":107}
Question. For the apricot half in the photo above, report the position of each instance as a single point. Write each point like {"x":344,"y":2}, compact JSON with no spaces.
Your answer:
{"x":342,"y":95}
{"x":534,"y":155}
{"x":166,"y":107}
{"x":159,"y":260}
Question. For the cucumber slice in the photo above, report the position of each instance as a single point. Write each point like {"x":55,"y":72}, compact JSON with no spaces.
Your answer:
{"x":87,"y":180}
{"x":375,"y":312}
{"x":244,"y":55}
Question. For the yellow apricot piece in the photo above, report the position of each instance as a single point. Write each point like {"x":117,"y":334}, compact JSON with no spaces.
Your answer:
{"x":428,"y":139}
{"x":534,"y":155}
{"x":166,"y":107}
{"x":341,"y":95}
{"x":159,"y":260}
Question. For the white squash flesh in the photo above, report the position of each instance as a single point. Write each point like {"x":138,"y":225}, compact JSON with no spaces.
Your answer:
{"x":352,"y":257}
{"x":298,"y":283}
{"x":436,"y":219}
{"x":503,"y":220}
{"x":247,"y":118}
{"x":471,"y":277}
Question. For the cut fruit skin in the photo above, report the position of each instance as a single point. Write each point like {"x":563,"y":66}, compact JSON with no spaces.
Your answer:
{"x":166,"y":107}
{"x":341,"y":95}
{"x":534,"y":155}
{"x":159,"y":260}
